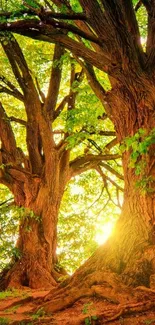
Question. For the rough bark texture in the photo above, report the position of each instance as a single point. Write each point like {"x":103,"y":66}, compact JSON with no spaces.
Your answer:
{"x":38,"y":179}
{"x":129,"y":255}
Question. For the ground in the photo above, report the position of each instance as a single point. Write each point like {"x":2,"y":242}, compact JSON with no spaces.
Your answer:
{"x":122,"y":307}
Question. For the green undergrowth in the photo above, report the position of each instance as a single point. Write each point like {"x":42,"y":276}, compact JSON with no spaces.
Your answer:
{"x":90,"y":311}
{"x":12,"y":293}
{"x":149,"y":321}
{"x":4,"y":321}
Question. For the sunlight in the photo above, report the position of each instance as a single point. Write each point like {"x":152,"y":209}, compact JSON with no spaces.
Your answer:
{"x":104,"y":232}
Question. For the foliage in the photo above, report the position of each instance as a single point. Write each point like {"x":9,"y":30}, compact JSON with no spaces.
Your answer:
{"x":11,"y":293}
{"x":89,"y":310}
{"x":8,"y":227}
{"x":40,"y":313}
{"x":139,"y":145}
{"x":83,"y":214}
{"x":82,"y":217}
{"x":149,"y":321}
{"x":4,"y":321}
{"x":10,"y":216}
{"x":12,"y":309}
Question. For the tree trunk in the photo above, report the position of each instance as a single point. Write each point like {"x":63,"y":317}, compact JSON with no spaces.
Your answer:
{"x":128,"y":256}
{"x":37,"y":239}
{"x":130,"y":251}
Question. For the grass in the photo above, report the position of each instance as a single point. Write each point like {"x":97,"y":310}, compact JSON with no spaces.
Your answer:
{"x":12,"y":309}
{"x":4,"y":321}
{"x":12,"y":293}
{"x":149,"y":321}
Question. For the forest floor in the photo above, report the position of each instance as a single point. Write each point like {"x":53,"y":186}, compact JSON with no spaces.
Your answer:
{"x":19,"y":307}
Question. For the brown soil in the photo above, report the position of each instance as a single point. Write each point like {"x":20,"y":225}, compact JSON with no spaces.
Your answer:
{"x":133,"y":307}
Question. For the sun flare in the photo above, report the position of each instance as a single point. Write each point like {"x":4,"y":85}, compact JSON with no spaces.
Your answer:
{"x":104,"y":232}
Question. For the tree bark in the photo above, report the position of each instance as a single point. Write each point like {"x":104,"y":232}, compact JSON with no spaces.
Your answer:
{"x":126,"y":259}
{"x":37,"y":239}
{"x":128,"y":256}
{"x":130,"y":251}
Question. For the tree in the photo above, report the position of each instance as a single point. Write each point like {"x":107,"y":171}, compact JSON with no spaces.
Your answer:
{"x":114,"y":46}
{"x":37,"y":175}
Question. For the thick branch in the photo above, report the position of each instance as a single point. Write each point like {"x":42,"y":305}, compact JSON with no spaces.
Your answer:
{"x":70,"y":28}
{"x":122,"y":37}
{"x":54,"y":85}
{"x":93,"y":82}
{"x":111,"y":144}
{"x":8,"y":47}
{"x":84,"y":163}
{"x":7,"y":136}
{"x":40,"y":31}
{"x":103,"y":133}
{"x":132,"y":25}
{"x":96,"y":18}
{"x":150,"y":46}
{"x":50,"y":14}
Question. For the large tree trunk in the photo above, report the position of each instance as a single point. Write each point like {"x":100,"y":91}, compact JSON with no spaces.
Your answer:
{"x":128,"y":256}
{"x":130,"y":251}
{"x":37,"y":241}
{"x":37,"y":250}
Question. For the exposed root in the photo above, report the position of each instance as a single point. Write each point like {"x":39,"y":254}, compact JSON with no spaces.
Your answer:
{"x":127,"y":309}
{"x":96,"y":284}
{"x":120,"y":299}
{"x":108,"y":305}
{"x":142,"y":288}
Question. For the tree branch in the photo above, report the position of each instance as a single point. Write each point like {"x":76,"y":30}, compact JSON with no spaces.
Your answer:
{"x":61,"y":106}
{"x":17,"y":120}
{"x":111,"y":144}
{"x":11,"y":93}
{"x":103,"y":133}
{"x":133,"y":28}
{"x":6,"y":201}
{"x":41,"y":94}
{"x":107,"y":178}
{"x":111,"y":170}
{"x":7,"y":135}
{"x":122,"y":37}
{"x":86,"y":162}
{"x":150,"y":45}
{"x":50,"y":14}
{"x":96,"y":18}
{"x":93,"y":82}
{"x":54,"y":84}
{"x":38,"y":30}
{"x":12,"y":90}
{"x":12,"y":55}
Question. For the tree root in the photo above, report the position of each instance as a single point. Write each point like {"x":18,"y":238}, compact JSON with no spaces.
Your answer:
{"x":125,"y":310}
{"x":101,"y":284}
{"x":142,"y":288}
